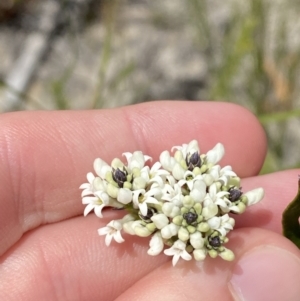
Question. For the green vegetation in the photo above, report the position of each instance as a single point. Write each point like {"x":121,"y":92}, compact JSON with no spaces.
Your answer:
{"x":246,"y":62}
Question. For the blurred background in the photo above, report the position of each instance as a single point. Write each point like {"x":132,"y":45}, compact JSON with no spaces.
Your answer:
{"x":85,"y":54}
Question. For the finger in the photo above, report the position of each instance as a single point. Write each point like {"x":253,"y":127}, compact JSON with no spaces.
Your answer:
{"x":68,"y":261}
{"x":45,"y":155}
{"x":280,"y":189}
{"x":266,"y":268}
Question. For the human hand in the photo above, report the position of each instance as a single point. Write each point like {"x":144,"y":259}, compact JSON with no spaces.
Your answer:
{"x":49,"y":251}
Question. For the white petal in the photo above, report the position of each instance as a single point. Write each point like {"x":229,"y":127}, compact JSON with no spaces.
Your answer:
{"x":167,"y":161}
{"x":193,"y":147}
{"x":108,"y":239}
{"x":90,"y":177}
{"x":124,"y":196}
{"x":156,"y":244}
{"x":227,"y":170}
{"x":208,"y":179}
{"x":117,"y":163}
{"x":136,"y":159}
{"x":86,"y":192}
{"x":155,"y":167}
{"x":254,"y":196}
{"x":104,"y":230}
{"x":98,"y":210}
{"x":175,"y":259}
{"x":216,"y":154}
{"x":112,"y":191}
{"x":101,"y":167}
{"x":214,"y":222}
{"x":178,"y":171}
{"x":199,"y":191}
{"x":88,"y":209}
{"x":160,"y":220}
{"x":185,"y":255}
{"x":118,"y":237}
{"x":139,"y":183}
{"x":89,"y":199}
{"x":143,"y":208}
{"x":85,"y":186}
{"x":215,"y":172}
{"x":98,"y":184}
{"x":103,"y":196}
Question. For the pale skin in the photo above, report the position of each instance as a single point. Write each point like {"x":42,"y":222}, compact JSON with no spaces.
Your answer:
{"x":49,"y":251}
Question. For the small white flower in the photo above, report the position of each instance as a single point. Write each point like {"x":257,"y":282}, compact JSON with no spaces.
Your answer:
{"x":222,"y":224}
{"x":156,"y":244}
{"x":190,"y":148}
{"x":101,"y":168}
{"x":154,"y":174}
{"x":88,"y":188}
{"x":172,"y":194}
{"x":226,"y":173}
{"x":189,"y":179}
{"x":136,"y":160}
{"x":223,"y":174}
{"x":112,"y":231}
{"x":217,"y":197}
{"x":141,"y":198}
{"x":254,"y":196}
{"x":167,"y":161}
{"x":215,"y":155}
{"x":94,"y":184}
{"x":96,"y":203}
{"x":177,"y":251}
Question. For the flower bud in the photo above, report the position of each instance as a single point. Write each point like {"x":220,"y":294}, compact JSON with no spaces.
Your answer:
{"x":183,"y":234}
{"x":199,"y":255}
{"x":227,"y":255}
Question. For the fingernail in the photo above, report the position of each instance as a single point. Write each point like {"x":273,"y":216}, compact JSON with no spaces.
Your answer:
{"x":267,"y":273}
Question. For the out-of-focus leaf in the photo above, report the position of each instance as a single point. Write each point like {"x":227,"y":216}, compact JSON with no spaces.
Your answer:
{"x":290,"y":219}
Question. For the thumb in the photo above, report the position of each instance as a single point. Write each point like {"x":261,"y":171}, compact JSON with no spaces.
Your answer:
{"x":266,"y":267}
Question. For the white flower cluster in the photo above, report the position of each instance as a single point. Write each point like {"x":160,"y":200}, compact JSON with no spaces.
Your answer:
{"x":183,"y":201}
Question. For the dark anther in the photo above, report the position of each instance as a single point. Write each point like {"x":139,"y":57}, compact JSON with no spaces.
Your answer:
{"x":215,"y":241}
{"x":234,"y":194}
{"x":149,"y":214}
{"x":190,"y":217}
{"x":119,"y":176}
{"x":193,"y":161}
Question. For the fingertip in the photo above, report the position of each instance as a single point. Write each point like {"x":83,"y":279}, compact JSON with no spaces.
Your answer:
{"x":267,"y":272}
